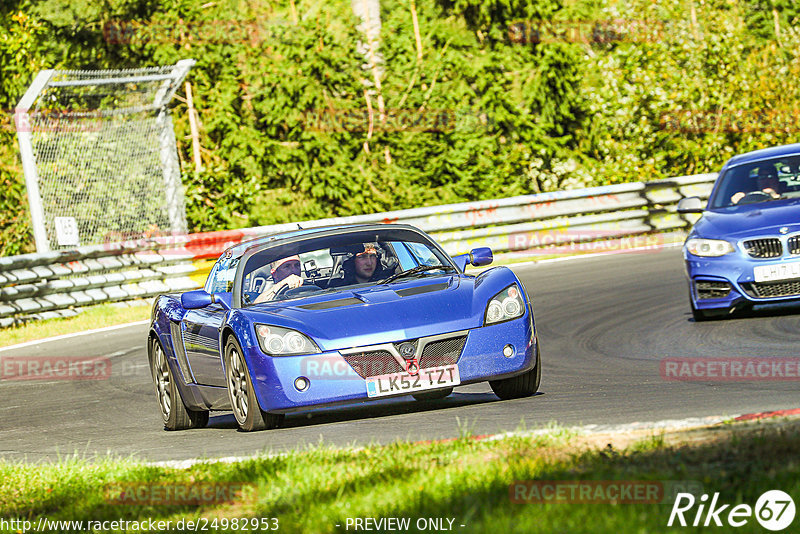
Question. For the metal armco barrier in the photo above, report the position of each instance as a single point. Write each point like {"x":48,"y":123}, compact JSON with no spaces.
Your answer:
{"x":53,"y":284}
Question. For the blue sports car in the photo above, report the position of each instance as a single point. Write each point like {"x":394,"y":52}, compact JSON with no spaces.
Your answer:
{"x":745,"y":249}
{"x":335,"y":315}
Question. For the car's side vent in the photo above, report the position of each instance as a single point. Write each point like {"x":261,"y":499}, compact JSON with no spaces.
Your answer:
{"x":712,"y":290}
{"x":793,"y":244}
{"x":180,"y":352}
{"x":764,"y":248}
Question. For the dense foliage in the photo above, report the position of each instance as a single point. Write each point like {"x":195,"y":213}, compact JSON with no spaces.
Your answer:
{"x":491,"y":108}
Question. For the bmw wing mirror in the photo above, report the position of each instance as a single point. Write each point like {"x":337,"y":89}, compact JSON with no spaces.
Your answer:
{"x":193,"y":300}
{"x":690,"y":205}
{"x":481,"y":256}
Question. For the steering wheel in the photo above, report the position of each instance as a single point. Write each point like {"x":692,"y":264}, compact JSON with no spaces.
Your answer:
{"x":754,"y":196}
{"x":281,"y":292}
{"x":286,"y":291}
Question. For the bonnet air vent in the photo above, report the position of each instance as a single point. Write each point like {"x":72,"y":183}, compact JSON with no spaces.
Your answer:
{"x":421,"y":289}
{"x":328,"y":304}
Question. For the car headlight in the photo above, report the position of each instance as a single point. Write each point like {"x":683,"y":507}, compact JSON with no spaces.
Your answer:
{"x":277,"y":341}
{"x":505,"y":306}
{"x":709,"y":247}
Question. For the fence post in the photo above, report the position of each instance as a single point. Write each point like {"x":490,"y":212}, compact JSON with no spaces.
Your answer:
{"x":22,"y":121}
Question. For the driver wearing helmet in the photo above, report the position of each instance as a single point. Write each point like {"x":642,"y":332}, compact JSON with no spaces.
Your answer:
{"x":285,"y":274}
{"x":767,"y":182}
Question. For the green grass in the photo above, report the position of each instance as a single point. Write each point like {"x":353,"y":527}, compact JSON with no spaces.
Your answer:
{"x":465,"y":479}
{"x":91,"y":317}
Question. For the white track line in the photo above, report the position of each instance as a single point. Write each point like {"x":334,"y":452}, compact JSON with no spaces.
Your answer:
{"x":75,"y":334}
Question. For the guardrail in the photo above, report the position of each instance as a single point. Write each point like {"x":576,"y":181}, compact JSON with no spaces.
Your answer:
{"x":58,"y":283}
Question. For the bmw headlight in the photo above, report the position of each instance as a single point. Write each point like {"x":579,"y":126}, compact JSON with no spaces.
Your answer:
{"x":708,"y":247}
{"x":277,"y":341}
{"x":505,"y":306}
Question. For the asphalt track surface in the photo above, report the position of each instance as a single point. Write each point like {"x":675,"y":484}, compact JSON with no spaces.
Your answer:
{"x":604,"y":324}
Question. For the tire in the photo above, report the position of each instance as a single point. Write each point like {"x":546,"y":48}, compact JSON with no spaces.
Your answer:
{"x":519,"y":386}
{"x":174,"y":412}
{"x":432,"y":395}
{"x":241,"y":393}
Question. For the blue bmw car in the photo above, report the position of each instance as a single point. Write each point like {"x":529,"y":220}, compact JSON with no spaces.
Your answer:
{"x":745,"y":248}
{"x":336,"y":315}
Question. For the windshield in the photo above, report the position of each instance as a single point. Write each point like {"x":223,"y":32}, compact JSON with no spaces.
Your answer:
{"x":759,"y":181}
{"x":334,"y":263}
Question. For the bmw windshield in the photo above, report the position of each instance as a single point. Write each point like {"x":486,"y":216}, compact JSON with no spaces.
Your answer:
{"x":758,"y":181}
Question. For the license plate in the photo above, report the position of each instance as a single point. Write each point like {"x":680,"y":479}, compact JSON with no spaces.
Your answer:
{"x":397,"y":383}
{"x":780,"y":271}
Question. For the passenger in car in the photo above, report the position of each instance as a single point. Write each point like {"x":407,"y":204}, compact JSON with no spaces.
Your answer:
{"x":364,"y":266}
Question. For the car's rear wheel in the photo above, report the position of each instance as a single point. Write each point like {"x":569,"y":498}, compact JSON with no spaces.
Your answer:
{"x":174,"y":412}
{"x":432,"y":395}
{"x":241,"y":393}
{"x":519,"y":386}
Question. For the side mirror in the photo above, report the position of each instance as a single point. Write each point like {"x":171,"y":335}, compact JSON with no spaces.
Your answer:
{"x":461,"y":261}
{"x":481,"y":256}
{"x":193,"y":300}
{"x":690,"y":205}
{"x":478,"y":257}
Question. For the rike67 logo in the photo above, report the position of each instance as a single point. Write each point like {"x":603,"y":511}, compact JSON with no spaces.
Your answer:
{"x":774,"y":510}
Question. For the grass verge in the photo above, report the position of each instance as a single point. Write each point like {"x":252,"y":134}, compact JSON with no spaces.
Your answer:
{"x":465,"y":480}
{"x":91,"y":317}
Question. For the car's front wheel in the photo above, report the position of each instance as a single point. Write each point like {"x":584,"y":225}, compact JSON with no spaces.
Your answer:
{"x":519,"y":386}
{"x":241,"y":393}
{"x":174,"y":412}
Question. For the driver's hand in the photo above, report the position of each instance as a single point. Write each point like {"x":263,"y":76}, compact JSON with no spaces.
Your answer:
{"x":771,"y":192}
{"x":737,"y":197}
{"x":292,"y":281}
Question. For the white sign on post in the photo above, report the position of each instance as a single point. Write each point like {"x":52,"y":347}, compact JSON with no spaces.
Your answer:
{"x":67,"y":231}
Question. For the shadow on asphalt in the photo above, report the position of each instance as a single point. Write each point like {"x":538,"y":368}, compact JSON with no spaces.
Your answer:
{"x":760,"y":311}
{"x":371,"y":410}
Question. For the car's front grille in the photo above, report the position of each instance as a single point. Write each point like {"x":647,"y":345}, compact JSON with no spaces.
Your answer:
{"x":764,"y":248}
{"x":380,"y":362}
{"x":793,"y":244}
{"x":765,"y":290}
{"x":373,"y":363}
{"x":443,"y":352}
{"x":712,"y":290}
